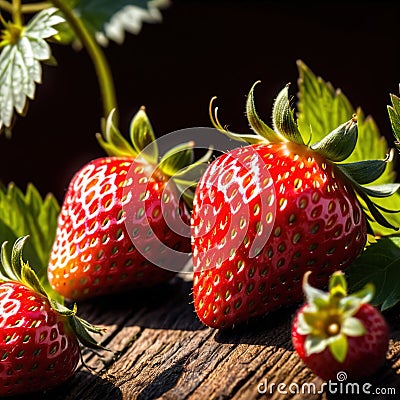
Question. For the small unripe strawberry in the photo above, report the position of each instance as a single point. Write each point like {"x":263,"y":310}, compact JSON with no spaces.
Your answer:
{"x":335,"y":332}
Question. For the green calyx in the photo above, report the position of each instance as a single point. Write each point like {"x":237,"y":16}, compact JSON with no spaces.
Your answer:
{"x":177,"y":163}
{"x":13,"y":268}
{"x":10,"y":34}
{"x":335,"y":147}
{"x":329,"y":319}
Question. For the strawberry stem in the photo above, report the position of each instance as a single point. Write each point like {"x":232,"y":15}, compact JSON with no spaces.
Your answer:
{"x":6,"y":6}
{"x":99,"y":60}
{"x":34,"y":8}
{"x":16,"y":12}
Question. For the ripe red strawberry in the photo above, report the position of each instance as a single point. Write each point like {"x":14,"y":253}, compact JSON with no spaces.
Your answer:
{"x":123,"y":219}
{"x":334,"y":333}
{"x":39,"y":342}
{"x":266,"y":213}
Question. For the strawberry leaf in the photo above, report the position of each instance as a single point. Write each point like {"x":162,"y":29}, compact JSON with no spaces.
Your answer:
{"x":109,"y":20}
{"x":28,"y":214}
{"x":321,"y":108}
{"x":22,"y":50}
{"x":378,"y":265}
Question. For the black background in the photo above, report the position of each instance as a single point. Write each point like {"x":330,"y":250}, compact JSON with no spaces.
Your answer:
{"x":201,"y":49}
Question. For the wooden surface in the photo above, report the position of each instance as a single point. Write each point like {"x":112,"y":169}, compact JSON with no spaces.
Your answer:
{"x":165,"y":352}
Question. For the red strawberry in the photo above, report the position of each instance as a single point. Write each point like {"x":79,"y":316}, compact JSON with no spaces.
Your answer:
{"x":39,"y":346}
{"x":334,"y":333}
{"x":123,"y":219}
{"x":265,"y":213}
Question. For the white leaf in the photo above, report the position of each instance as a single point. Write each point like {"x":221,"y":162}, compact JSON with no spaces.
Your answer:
{"x":41,"y":26}
{"x":20,"y":80}
{"x":20,"y":67}
{"x":40,"y":49}
{"x":6,"y":110}
{"x":25,"y":49}
{"x":130,"y":19}
{"x":35,"y":72}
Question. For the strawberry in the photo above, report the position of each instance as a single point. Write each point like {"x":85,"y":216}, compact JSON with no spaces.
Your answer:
{"x":265,"y":213}
{"x":39,"y":336}
{"x":123,"y":218}
{"x":335,"y":333}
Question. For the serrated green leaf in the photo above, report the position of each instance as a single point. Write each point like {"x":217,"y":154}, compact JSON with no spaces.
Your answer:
{"x":379,"y":265}
{"x":28,"y":214}
{"x":109,"y":20}
{"x":20,"y":68}
{"x":48,"y":221}
{"x":321,"y":108}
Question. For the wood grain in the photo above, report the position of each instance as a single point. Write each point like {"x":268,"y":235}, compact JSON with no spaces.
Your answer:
{"x":160,"y":350}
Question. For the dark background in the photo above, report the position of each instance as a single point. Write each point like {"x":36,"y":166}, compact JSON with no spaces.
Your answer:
{"x":201,"y":49}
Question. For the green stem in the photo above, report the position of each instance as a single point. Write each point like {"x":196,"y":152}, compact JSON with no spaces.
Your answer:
{"x":35,"y":7}
{"x":99,"y":60}
{"x":6,"y":6}
{"x":25,"y":8}
{"x":17,"y":15}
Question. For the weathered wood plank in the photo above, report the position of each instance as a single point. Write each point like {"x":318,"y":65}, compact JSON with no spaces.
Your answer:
{"x":163,"y":351}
